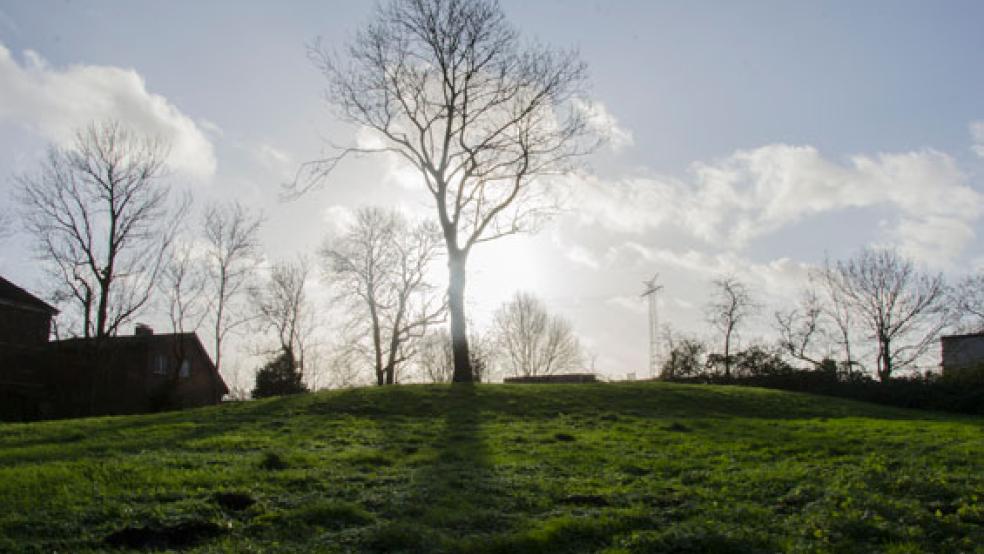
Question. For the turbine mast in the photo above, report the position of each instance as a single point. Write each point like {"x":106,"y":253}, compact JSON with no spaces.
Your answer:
{"x":650,"y":292}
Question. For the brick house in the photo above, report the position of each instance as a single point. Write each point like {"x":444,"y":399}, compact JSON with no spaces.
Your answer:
{"x":962,"y":353}
{"x":25,"y":319}
{"x":139,"y":373}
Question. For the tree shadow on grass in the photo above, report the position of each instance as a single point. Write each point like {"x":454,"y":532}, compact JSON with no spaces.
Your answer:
{"x":453,"y":494}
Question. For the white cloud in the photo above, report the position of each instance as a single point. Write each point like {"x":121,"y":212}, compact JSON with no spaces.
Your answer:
{"x":54,"y":102}
{"x":337,"y":220}
{"x":977,"y":134}
{"x":752,"y":193}
{"x":580,"y":255}
{"x":601,"y":121}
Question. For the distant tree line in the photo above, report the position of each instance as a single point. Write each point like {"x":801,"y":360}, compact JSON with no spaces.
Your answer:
{"x":876,"y":306}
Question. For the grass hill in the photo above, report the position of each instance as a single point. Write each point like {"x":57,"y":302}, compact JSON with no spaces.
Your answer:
{"x":642,"y":467}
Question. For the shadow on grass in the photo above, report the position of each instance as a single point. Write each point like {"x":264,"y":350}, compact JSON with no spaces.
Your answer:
{"x":453,"y":493}
{"x":70,"y":439}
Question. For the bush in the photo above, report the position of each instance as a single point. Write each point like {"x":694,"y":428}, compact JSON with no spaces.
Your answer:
{"x":280,"y":376}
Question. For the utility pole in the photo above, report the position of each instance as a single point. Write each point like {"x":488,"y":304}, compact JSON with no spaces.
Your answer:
{"x":650,"y":292}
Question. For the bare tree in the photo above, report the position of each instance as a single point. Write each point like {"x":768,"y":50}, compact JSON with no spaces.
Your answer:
{"x":836,"y":310}
{"x":381,"y":264}
{"x":435,"y":357}
{"x":182,"y":285}
{"x":800,"y":329}
{"x":231,"y":234}
{"x":967,"y":298}
{"x":730,"y":306}
{"x":450,"y":89}
{"x":98,"y":211}
{"x":902,"y":308}
{"x":282,"y":306}
{"x":532,"y":341}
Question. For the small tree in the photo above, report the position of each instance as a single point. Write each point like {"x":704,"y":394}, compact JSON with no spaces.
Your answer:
{"x":279,"y":377}
{"x":902,"y":308}
{"x":98,"y":212}
{"x":757,"y":361}
{"x":686,"y":357}
{"x":449,"y":88}
{"x":532,"y":341}
{"x":380,"y":267}
{"x":730,"y":306}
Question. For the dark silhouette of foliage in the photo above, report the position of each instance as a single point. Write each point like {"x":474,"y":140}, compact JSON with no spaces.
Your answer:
{"x":279,"y":377}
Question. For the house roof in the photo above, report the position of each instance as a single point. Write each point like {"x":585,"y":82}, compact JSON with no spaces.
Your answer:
{"x":12,"y":295}
{"x":963,"y":336}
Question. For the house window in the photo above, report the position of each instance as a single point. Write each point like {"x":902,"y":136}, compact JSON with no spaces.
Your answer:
{"x":159,"y":365}
{"x":185,"y":370}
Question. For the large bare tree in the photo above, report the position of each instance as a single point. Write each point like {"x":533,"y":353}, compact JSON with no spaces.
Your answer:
{"x":98,"y":211}
{"x":902,"y":308}
{"x":731,"y":305}
{"x":449,"y":88}
{"x":231,"y":234}
{"x":381,"y":264}
{"x":534,"y":342}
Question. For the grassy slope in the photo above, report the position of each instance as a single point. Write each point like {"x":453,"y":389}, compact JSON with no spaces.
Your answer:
{"x":504,"y":468}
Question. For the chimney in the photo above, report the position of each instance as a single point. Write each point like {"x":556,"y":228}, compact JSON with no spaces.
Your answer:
{"x":143,"y":330}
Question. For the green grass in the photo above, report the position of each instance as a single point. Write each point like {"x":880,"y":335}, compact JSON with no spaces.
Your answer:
{"x":645,"y":467}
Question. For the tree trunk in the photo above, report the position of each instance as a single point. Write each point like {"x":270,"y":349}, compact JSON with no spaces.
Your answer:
{"x":727,"y":354}
{"x":456,"y":305}
{"x":885,"y":360}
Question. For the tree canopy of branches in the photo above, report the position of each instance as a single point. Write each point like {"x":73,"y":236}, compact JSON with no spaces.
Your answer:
{"x":282,"y":306}
{"x":435,"y":358}
{"x":451,"y":89}
{"x":801,"y":328}
{"x":902,"y":308}
{"x":279,"y":377}
{"x":381,"y":264}
{"x":837,"y":309}
{"x":182,"y":286}
{"x":231,"y":258}
{"x":532,"y":341}
{"x":730,"y":306}
{"x":968,"y":302}
{"x":98,"y":211}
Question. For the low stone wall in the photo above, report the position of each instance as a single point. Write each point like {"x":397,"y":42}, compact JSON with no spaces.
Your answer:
{"x":560,"y":378}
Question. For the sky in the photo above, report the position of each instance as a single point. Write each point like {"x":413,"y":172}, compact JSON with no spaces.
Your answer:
{"x":744,"y":138}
